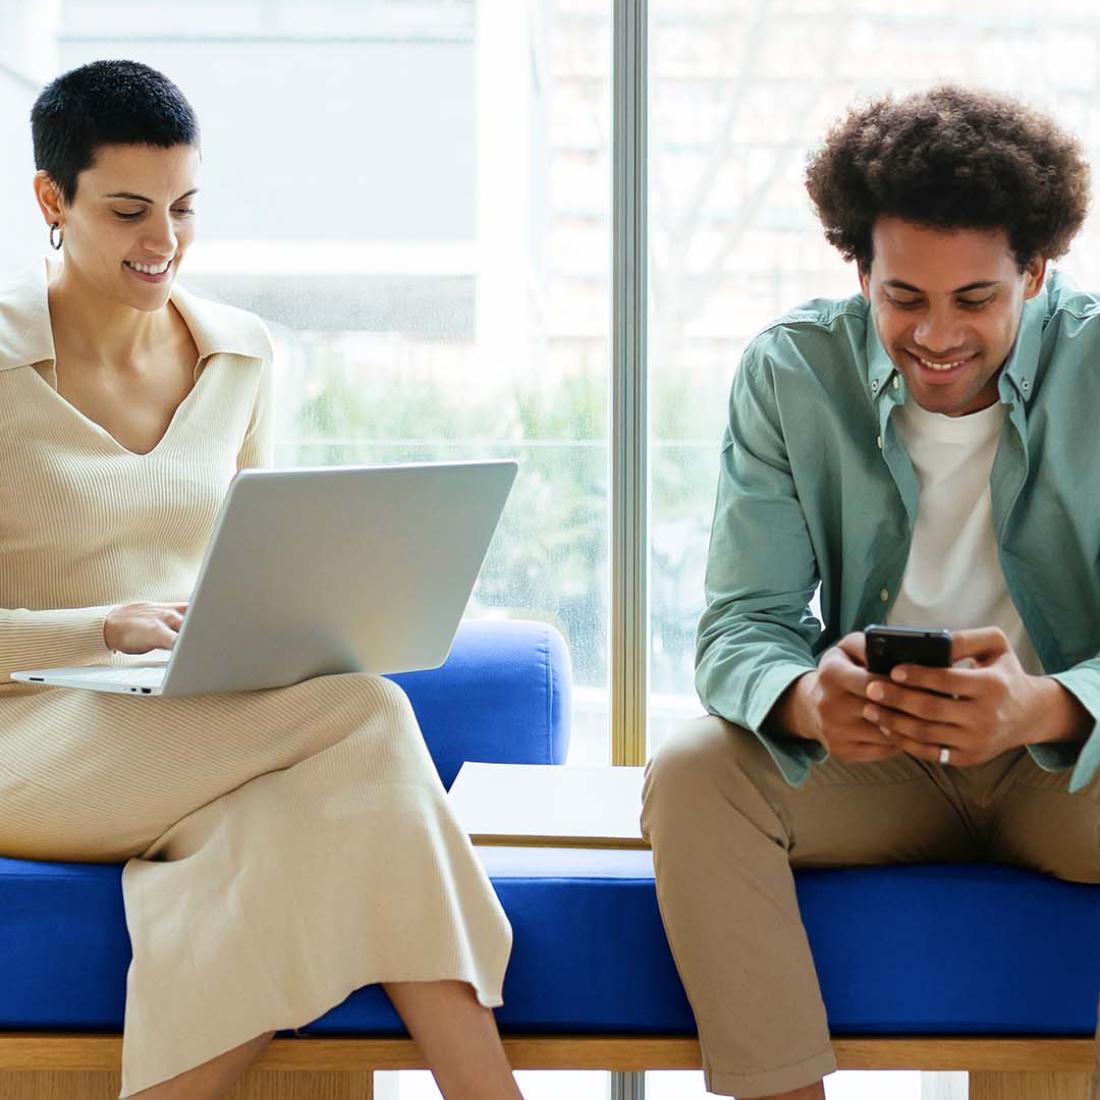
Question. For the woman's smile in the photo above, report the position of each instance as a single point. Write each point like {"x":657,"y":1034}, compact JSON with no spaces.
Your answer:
{"x":149,"y":273}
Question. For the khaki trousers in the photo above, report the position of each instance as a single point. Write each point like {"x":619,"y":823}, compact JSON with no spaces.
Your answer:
{"x":727,"y":829}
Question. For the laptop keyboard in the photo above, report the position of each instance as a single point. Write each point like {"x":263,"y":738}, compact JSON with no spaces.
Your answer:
{"x":147,"y":676}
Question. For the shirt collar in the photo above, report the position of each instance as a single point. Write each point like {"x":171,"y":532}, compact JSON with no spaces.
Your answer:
{"x":26,"y":336}
{"x":25,"y":333}
{"x":1018,"y":372}
{"x":1022,"y":364}
{"x":880,"y":367}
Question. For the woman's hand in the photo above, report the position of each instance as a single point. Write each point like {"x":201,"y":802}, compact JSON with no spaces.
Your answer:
{"x":142,"y":627}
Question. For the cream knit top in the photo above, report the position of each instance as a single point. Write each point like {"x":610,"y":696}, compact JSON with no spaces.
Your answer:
{"x":85,"y":524}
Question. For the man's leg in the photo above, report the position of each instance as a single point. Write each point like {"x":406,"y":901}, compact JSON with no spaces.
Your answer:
{"x":1033,"y":820}
{"x":726,"y":829}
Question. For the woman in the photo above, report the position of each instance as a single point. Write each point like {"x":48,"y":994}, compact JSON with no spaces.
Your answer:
{"x":284,"y":847}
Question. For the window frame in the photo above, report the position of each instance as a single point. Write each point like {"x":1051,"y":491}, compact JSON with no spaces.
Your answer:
{"x":629,"y":503}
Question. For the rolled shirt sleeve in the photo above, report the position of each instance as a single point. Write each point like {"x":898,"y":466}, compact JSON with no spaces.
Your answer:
{"x":756,"y":635}
{"x":1083,"y":680}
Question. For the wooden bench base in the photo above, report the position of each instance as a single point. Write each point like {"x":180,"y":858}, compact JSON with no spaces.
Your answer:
{"x":83,"y":1067}
{"x":1029,"y":1086}
{"x":257,"y":1085}
{"x":262,"y":1085}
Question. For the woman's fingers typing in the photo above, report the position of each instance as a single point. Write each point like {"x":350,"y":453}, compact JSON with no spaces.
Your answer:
{"x":142,"y":627}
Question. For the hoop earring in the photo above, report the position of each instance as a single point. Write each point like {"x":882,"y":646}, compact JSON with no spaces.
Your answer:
{"x":56,"y":228}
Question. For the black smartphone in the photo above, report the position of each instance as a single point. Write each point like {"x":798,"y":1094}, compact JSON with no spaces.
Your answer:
{"x":904,"y":645}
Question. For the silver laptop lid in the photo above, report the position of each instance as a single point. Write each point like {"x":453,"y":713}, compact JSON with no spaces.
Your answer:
{"x":313,"y":571}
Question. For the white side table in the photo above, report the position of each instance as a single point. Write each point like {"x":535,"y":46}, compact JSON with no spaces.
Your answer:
{"x":549,"y":805}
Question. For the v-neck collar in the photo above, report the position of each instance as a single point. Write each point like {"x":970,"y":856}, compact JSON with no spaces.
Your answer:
{"x":66,"y":407}
{"x":26,"y":340}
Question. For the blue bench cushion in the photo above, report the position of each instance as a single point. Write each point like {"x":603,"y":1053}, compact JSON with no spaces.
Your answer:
{"x":907,"y":950}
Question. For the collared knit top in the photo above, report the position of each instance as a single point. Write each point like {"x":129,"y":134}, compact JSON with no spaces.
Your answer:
{"x":85,"y":524}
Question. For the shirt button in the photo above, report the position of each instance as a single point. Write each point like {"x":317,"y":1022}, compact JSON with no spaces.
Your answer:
{"x":897,"y":382}
{"x":884,"y":595}
{"x":874,"y":385}
{"x":1025,"y":385}
{"x":878,"y":440}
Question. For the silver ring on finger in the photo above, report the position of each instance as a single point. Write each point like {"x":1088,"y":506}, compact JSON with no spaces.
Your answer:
{"x":945,"y":755}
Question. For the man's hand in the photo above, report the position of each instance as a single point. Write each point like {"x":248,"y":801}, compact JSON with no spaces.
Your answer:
{"x":977,"y":712}
{"x":827,"y":705}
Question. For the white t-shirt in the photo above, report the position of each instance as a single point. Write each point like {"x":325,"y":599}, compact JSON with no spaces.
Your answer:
{"x":953,"y":577}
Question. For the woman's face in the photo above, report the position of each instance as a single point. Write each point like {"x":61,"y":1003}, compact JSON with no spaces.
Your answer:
{"x":130,"y":222}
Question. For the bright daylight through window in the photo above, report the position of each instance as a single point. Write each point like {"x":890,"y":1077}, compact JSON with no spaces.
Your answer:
{"x":422,"y":214}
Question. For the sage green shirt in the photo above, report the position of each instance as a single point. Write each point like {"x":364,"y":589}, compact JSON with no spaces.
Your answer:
{"x":815,"y":487}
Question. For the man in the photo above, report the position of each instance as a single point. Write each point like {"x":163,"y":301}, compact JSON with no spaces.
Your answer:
{"x":926,"y":453}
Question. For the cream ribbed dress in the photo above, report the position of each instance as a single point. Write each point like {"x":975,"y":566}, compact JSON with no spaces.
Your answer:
{"x":282,"y":847}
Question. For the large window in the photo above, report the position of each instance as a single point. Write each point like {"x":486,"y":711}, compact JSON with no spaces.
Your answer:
{"x":414,"y":194}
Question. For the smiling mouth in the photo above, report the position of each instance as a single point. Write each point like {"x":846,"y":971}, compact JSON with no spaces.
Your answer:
{"x":940,"y":366}
{"x":148,"y":269}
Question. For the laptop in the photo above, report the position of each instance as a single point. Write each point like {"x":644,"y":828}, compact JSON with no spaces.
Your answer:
{"x":317,"y":571}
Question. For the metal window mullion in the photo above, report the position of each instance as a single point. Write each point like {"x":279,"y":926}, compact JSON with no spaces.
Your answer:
{"x":628,"y":1086}
{"x":629,"y":421}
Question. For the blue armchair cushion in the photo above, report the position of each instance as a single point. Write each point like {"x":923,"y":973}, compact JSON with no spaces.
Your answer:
{"x":503,"y":696}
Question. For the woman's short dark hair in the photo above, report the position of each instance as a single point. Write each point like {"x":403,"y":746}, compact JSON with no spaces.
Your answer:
{"x":106,"y":103}
{"x":950,"y":158}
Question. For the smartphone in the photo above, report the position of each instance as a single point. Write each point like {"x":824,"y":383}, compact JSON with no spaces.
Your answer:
{"x":900,"y":645}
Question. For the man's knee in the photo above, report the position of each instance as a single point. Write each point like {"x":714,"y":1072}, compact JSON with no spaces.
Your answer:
{"x":687,"y":763}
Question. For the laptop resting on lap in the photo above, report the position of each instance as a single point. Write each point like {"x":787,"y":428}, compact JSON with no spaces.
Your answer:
{"x":317,"y":571}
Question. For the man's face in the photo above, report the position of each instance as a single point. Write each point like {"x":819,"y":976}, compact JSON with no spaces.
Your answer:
{"x":946,"y":305}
